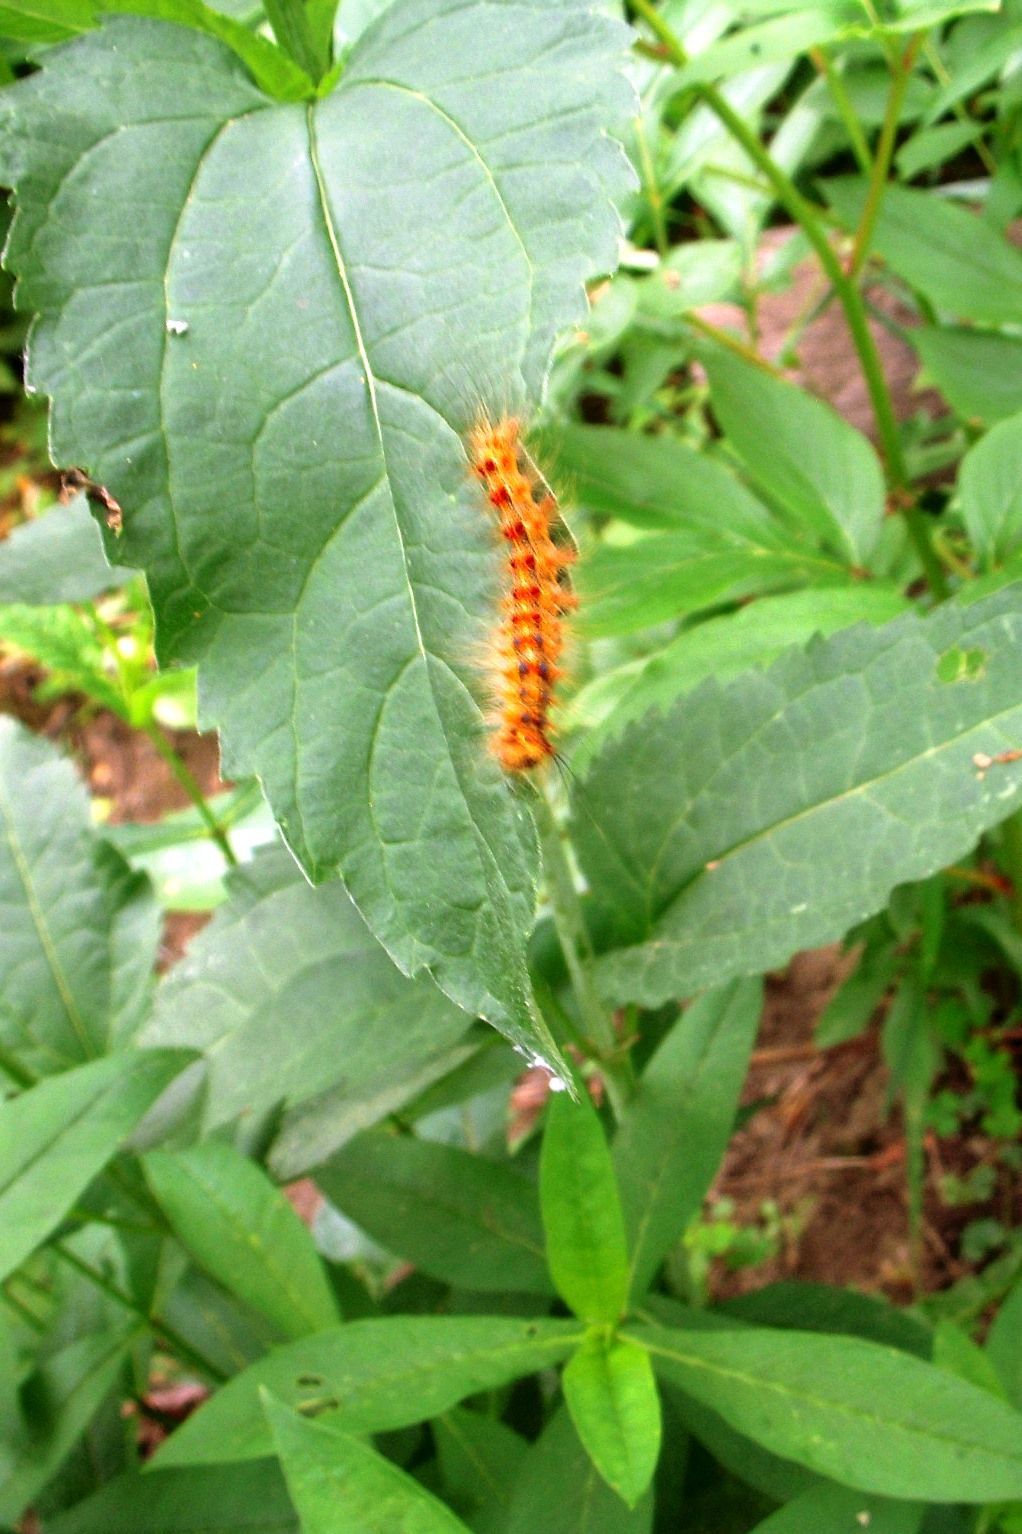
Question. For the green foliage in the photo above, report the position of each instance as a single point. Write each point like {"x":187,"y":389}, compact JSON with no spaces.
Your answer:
{"x":276,"y":261}
{"x":367,"y":607}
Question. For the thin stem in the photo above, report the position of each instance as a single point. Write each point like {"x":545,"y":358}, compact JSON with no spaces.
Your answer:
{"x":882,"y":162}
{"x":732,"y":343}
{"x":846,"y":111}
{"x":651,"y":187}
{"x":803,"y":212}
{"x":185,"y":777}
{"x":569,"y":923}
{"x":943,"y":77}
{"x":170,"y":1334}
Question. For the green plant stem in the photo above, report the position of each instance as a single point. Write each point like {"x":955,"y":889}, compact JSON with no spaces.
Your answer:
{"x":184,"y":776}
{"x":733,"y":344}
{"x":569,"y":922}
{"x":845,"y":109}
{"x":847,"y":291}
{"x":168,"y":1333}
{"x":882,"y":160}
{"x":651,"y":187}
{"x":1011,"y":842}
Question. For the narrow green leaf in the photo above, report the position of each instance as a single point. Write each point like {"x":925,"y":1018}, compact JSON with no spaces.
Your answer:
{"x":332,"y":599}
{"x":480,"y":1460}
{"x":211,"y":1499}
{"x":801,"y":453}
{"x":810,"y":1307}
{"x":774,"y":813}
{"x":560,"y":1491}
{"x":242,"y":1230}
{"x":658,"y":483}
{"x":369,"y":1376}
{"x":1004,"y":1345}
{"x":673,"y":575}
{"x":840,"y":1511}
{"x":990,"y":487}
{"x":62,"y":895}
{"x":58,"y":557}
{"x":55,"y":1137}
{"x":955,"y":1351}
{"x":978,"y":372}
{"x":340,"y":1486}
{"x":281,"y":949}
{"x":868,"y":1416}
{"x":954,"y":258}
{"x":313,"y":1132}
{"x":612,"y":1396}
{"x":60,"y":1398}
{"x":585,"y":1232}
{"x":136,"y":930}
{"x":676,"y":1128}
{"x":471,"y":1222}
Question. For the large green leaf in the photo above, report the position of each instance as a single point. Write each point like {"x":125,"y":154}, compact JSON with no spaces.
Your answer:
{"x":955,"y":259}
{"x":773,"y":813}
{"x":800,"y":452}
{"x":560,"y":1491}
{"x":612,"y":1396}
{"x":676,"y":1128}
{"x":472,"y":1222}
{"x":990,"y":486}
{"x":481,"y":1460}
{"x":866,"y":1415}
{"x":273,"y":371}
{"x":722,"y":647}
{"x":1004,"y":1344}
{"x":280,"y":949}
{"x":341,"y":1486}
{"x":585,"y":1231}
{"x":978,"y":372}
{"x":210,"y":1499}
{"x":60,"y":1399}
{"x":243,"y":1231}
{"x":369,"y":1376}
{"x":67,"y":986}
{"x":57,"y":557}
{"x":55,"y":1137}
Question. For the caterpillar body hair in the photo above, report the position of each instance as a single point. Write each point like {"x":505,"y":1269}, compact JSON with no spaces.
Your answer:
{"x":528,"y":638}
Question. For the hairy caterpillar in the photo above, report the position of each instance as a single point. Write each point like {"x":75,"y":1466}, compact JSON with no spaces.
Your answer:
{"x":527,"y":642}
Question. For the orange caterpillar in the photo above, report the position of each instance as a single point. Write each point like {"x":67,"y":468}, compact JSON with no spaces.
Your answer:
{"x":529,"y":638}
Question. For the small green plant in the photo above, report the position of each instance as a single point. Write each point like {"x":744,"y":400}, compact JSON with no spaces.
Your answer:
{"x":277,"y":263}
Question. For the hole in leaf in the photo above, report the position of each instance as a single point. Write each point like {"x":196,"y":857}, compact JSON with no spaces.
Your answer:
{"x":958,"y":665}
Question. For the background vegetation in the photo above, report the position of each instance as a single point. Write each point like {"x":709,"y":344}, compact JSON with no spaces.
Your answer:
{"x":290,"y":1236}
